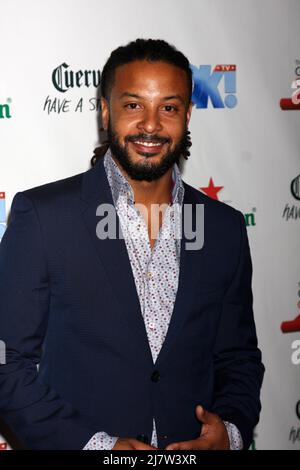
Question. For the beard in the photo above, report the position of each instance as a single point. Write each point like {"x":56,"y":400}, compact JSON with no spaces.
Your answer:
{"x":146,"y":171}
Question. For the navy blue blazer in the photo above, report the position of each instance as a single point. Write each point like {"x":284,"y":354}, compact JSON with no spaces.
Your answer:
{"x":68,"y":302}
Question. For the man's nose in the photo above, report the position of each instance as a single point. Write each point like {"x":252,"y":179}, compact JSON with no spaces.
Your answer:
{"x":150,"y":122}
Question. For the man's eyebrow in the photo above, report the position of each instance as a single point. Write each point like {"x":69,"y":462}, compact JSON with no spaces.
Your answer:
{"x":134,"y":95}
{"x":174,"y":97}
{"x":131,"y":95}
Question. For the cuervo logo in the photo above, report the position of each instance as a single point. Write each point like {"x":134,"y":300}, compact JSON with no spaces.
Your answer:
{"x":63,"y":78}
{"x":298,"y":409}
{"x":295,"y":187}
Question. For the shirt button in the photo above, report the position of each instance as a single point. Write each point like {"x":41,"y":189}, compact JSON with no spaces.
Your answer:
{"x":149,"y":274}
{"x":152,"y":325}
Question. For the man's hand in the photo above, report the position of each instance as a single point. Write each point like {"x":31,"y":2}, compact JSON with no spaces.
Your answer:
{"x":131,"y":444}
{"x":213,"y":435}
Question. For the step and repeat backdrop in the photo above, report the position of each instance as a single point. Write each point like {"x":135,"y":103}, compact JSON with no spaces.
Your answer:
{"x":245,"y":128}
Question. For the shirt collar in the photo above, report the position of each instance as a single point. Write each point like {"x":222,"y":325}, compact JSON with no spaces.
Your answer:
{"x":121,"y":187}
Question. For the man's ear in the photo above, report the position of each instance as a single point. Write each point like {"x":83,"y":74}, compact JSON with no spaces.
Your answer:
{"x":105,"y":113}
{"x":189,"y":112}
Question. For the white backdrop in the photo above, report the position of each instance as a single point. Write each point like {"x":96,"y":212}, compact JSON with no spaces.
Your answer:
{"x":251,"y":149}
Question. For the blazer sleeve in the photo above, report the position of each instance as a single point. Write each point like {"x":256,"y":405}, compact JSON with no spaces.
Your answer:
{"x":237,"y":360}
{"x":38,"y":416}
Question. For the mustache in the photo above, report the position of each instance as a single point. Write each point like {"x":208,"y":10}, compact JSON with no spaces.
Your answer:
{"x":147,"y":138}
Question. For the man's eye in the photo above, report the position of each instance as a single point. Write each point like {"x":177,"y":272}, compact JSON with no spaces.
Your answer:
{"x":131,"y":106}
{"x":170,"y":108}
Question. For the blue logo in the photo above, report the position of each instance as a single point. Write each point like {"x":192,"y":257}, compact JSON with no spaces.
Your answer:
{"x":2,"y":214}
{"x":207,"y":84}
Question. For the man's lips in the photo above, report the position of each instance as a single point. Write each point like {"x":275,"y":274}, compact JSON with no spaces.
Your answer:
{"x":150,"y":147}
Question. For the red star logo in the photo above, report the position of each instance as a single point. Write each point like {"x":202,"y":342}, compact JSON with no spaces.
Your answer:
{"x":211,"y":190}
{"x":291,"y":326}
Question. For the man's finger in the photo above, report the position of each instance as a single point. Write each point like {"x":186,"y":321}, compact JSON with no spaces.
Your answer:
{"x":205,"y":416}
{"x":138,"y":445}
{"x":196,"y":444}
{"x":174,"y":446}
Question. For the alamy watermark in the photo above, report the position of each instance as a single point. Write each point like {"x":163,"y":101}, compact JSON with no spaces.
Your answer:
{"x":295,"y":357}
{"x":2,"y":352}
{"x":179,"y":220}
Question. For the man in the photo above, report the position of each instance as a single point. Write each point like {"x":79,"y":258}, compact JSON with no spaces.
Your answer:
{"x":142,"y":341}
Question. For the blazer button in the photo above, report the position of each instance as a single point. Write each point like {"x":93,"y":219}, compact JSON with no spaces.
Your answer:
{"x":155,"y":376}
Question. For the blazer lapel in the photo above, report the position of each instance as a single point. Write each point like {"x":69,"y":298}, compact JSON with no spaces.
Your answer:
{"x":114,"y":257}
{"x":189,"y":266}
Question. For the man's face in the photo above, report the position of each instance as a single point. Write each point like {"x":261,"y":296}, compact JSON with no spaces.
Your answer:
{"x":147,"y":117}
